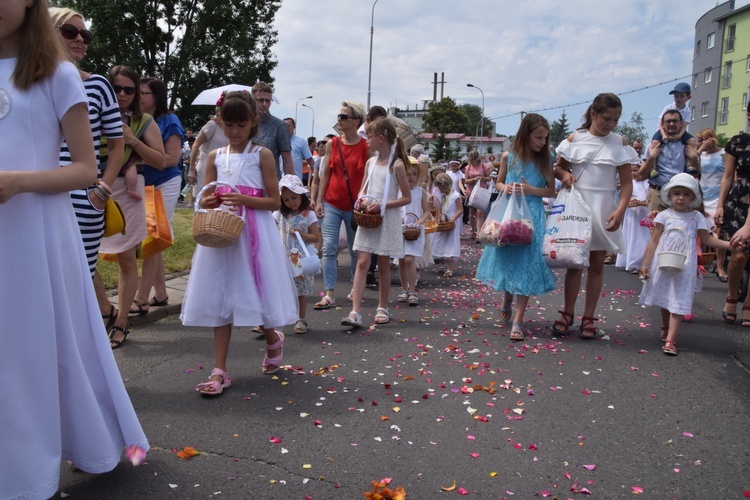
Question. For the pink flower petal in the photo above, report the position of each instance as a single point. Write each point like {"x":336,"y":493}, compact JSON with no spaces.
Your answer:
{"x":135,"y":454}
{"x":474,"y":455}
{"x":590,"y":467}
{"x":637,"y":490}
{"x":463,"y":491}
{"x":687,"y":434}
{"x":274,"y":439}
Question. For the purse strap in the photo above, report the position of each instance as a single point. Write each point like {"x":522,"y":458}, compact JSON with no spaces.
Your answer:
{"x":343,"y":166}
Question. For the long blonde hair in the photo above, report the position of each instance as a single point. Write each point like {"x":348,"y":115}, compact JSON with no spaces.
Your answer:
{"x":39,"y":50}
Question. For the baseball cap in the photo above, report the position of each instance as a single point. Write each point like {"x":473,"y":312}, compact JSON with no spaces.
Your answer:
{"x":681,"y":87}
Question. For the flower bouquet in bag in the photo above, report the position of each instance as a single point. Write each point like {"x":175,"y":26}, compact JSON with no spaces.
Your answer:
{"x":490,"y":231}
{"x":516,"y":227}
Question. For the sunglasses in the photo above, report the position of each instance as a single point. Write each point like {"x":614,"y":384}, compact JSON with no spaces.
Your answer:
{"x":344,"y":117}
{"x":127,"y":90}
{"x":71,"y":32}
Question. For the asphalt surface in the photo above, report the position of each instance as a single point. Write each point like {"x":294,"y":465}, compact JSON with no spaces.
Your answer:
{"x":440,"y":397}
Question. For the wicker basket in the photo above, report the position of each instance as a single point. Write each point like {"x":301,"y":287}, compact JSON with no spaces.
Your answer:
{"x":674,"y":258}
{"x":367,"y":220}
{"x":706,"y":259}
{"x":445,"y":224}
{"x":413,"y":230}
{"x":215,"y":228}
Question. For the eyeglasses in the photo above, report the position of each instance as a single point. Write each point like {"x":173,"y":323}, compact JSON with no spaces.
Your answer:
{"x":267,"y":101}
{"x":671,"y":121}
{"x":127,"y":90}
{"x":344,"y":117}
{"x":146,"y":93}
{"x":71,"y":32}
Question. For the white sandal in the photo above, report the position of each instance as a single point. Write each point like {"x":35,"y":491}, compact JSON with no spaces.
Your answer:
{"x":354,"y":320}
{"x":382,"y":316}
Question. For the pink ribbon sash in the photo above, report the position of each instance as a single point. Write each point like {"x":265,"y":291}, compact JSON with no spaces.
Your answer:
{"x":251,"y":229}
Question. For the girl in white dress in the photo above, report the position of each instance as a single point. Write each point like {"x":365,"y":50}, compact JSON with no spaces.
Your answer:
{"x":634,"y":234}
{"x":674,"y":229}
{"x":247,"y":283}
{"x":385,"y":179}
{"x":447,"y":244}
{"x":62,"y":396}
{"x":407,"y":265}
{"x":591,"y":157}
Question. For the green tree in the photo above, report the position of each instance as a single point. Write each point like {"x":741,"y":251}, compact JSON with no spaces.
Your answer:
{"x":191,"y":45}
{"x":473,"y":115}
{"x":439,"y":148}
{"x":633,"y":130}
{"x":445,"y":116}
{"x":559,"y":130}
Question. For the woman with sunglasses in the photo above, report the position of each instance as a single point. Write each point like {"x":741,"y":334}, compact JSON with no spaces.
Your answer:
{"x":88,"y":204}
{"x":341,"y":174}
{"x":167,"y":179}
{"x":143,"y":144}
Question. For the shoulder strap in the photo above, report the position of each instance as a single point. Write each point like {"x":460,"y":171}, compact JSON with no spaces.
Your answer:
{"x":337,"y":140}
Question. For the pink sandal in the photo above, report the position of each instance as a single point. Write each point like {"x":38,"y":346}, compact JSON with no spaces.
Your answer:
{"x":274,"y":362}
{"x":218,"y":387}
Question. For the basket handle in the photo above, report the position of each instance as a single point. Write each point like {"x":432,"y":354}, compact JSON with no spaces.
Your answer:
{"x":302,"y":245}
{"x":411,"y":213}
{"x":205,"y":188}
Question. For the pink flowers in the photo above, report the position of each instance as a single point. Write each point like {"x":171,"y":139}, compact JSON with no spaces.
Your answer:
{"x":516,"y":232}
{"x":135,"y":454}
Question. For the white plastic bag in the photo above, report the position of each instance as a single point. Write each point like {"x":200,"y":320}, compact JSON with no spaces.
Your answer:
{"x":567,"y":235}
{"x":508,"y":223}
{"x":480,"y":198}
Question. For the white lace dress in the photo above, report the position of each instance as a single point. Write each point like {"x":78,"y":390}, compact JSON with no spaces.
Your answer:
{"x":386,"y":239}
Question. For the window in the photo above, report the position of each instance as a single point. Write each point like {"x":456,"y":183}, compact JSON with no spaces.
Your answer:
{"x":724,"y":113}
{"x":704,"y":109}
{"x":748,"y":64}
{"x":727,"y":74}
{"x":692,"y":114}
{"x":695,"y":81}
{"x":710,"y":41}
{"x":698,"y":48}
{"x":730,"y":37}
{"x":707,"y":75}
{"x":744,"y":100}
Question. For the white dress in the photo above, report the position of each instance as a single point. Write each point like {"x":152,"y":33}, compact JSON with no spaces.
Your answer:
{"x":594,"y":161}
{"x":386,"y":239}
{"x":62,"y":396}
{"x":447,"y":244}
{"x":669,"y":289}
{"x":248,"y":283}
{"x":636,"y":236}
{"x":414,"y":247}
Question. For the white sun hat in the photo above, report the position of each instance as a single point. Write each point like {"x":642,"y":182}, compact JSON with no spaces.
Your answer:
{"x":682,"y":180}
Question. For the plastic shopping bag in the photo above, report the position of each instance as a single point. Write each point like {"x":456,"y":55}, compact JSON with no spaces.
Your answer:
{"x":508,"y":223}
{"x":567,"y":235}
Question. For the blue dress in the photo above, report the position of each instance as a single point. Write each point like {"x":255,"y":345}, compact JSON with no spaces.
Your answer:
{"x":520,"y":270}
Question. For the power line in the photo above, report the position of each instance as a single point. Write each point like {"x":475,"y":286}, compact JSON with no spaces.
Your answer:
{"x":588,"y":102}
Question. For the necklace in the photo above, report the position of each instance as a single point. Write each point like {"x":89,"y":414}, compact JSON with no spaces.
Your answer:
{"x":227,"y":167}
{"x":4,"y":103}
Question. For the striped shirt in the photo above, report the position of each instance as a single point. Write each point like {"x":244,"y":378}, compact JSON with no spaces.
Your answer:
{"x":104,"y":114}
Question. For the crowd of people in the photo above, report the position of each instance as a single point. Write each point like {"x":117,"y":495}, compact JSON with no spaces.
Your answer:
{"x":297,"y":195}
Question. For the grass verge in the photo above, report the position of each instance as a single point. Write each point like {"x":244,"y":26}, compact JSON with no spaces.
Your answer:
{"x":177,"y":258}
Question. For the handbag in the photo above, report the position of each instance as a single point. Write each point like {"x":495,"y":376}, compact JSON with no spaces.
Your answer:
{"x":352,"y":223}
{"x":114,"y":219}
{"x":480,"y":198}
{"x":159,"y":234}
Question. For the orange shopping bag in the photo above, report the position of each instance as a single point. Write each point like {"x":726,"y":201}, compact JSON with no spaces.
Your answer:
{"x":159,"y":235}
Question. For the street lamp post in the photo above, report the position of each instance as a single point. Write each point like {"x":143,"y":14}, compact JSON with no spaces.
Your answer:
{"x":369,"y":75}
{"x":481,"y":120}
{"x":313,"y":121}
{"x":295,"y":107}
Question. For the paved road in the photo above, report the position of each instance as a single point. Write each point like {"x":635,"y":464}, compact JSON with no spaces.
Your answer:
{"x":441,"y":395}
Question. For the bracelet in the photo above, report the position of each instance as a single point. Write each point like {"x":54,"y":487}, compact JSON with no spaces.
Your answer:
{"x":101,"y":194}
{"x":105,"y":186}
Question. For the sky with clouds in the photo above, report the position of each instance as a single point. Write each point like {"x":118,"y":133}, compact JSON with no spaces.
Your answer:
{"x":525,"y":56}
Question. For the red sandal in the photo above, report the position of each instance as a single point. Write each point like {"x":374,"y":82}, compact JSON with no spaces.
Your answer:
{"x":564,"y":323}
{"x":664,"y":333}
{"x":588,"y":332}
{"x":670,"y":348}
